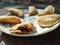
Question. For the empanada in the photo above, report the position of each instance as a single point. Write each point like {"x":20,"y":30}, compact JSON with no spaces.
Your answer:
{"x":16,"y":12}
{"x":9,"y":19}
{"x":48,"y":20}
{"x":47,"y":10}
{"x":23,"y":28}
{"x":32,"y":10}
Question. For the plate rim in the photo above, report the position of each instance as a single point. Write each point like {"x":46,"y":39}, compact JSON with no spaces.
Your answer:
{"x":28,"y":34}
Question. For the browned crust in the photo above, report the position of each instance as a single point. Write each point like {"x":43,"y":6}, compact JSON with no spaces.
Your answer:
{"x":33,"y":13}
{"x":9,"y":19}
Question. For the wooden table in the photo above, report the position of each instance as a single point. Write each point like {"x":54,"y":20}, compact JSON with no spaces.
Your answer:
{"x":51,"y":38}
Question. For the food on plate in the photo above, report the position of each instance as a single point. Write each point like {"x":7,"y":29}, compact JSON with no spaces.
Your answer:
{"x":32,"y":10}
{"x":9,"y":19}
{"x":48,"y":10}
{"x":47,"y":21}
{"x":16,"y":12}
{"x":23,"y":28}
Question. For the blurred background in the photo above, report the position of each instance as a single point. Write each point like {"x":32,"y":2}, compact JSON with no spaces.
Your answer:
{"x":52,"y":38}
{"x":25,"y":3}
{"x":19,"y":1}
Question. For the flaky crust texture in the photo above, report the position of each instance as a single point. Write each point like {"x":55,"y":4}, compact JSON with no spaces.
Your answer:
{"x":48,"y":20}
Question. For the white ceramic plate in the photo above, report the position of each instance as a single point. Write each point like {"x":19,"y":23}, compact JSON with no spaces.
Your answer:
{"x":38,"y":29}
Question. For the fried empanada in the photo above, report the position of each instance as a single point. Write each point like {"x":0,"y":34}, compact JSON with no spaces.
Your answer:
{"x":48,"y":20}
{"x":16,"y":12}
{"x":47,"y":10}
{"x":23,"y":28}
{"x":9,"y":19}
{"x":32,"y":10}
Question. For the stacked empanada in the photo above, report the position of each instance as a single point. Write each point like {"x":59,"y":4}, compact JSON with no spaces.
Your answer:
{"x":47,"y":18}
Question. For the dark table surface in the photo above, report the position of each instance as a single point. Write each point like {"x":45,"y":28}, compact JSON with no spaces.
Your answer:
{"x":51,"y":38}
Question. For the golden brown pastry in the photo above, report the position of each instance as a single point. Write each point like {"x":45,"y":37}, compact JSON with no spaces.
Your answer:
{"x":48,"y":20}
{"x":23,"y":28}
{"x":32,"y":10}
{"x":16,"y":12}
{"x":47,"y":10}
{"x":9,"y":19}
